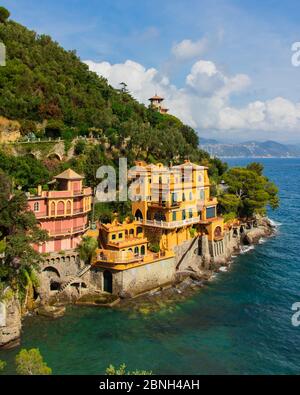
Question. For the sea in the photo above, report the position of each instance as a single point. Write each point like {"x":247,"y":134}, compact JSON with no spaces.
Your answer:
{"x":240,"y":323}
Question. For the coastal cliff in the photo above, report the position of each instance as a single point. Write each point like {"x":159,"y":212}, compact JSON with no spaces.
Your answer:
{"x":10,"y":322}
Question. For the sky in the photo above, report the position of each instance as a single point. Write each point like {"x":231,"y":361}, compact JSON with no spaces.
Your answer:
{"x":223,"y":66}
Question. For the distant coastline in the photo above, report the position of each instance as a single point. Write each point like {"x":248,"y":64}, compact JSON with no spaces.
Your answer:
{"x":250,"y":149}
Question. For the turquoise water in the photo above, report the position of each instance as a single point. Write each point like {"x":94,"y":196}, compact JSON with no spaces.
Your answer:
{"x":240,"y":323}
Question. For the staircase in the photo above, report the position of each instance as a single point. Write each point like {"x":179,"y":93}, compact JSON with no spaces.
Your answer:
{"x":73,"y":278}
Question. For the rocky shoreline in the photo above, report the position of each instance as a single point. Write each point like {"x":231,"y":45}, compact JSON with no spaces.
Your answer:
{"x":187,"y":283}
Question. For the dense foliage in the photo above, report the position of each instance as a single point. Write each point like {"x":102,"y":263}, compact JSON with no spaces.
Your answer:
{"x":43,"y":82}
{"x":30,"y":362}
{"x":248,"y":192}
{"x":18,"y":232}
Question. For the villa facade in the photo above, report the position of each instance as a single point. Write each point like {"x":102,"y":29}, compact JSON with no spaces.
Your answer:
{"x":62,"y":211}
{"x":172,"y":207}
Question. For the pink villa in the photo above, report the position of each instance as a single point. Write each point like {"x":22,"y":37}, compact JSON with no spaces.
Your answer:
{"x":62,"y":212}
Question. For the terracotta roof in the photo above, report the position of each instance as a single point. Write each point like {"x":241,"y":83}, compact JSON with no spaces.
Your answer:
{"x":69,"y":175}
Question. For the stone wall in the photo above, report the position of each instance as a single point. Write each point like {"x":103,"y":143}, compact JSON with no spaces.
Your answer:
{"x":187,"y":255}
{"x":137,"y":280}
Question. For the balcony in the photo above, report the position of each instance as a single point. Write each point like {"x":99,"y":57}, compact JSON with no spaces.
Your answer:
{"x":164,"y":205}
{"x":125,"y":257}
{"x":128,"y":241}
{"x":170,"y":225}
{"x":69,"y":231}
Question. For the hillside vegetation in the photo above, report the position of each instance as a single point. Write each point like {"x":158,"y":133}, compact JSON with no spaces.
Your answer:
{"x":50,"y":91}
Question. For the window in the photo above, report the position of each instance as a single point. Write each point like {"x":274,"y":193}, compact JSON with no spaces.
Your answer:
{"x":183,"y":214}
{"x":139,"y":230}
{"x":113,"y":237}
{"x":136,"y":250}
{"x":191,"y":195}
{"x":201,"y":194}
{"x":174,"y":216}
{"x":183,"y":197}
{"x":211,"y":212}
{"x":120,"y":235}
{"x":143,"y":250}
{"x":36,"y":207}
{"x":191,"y":213}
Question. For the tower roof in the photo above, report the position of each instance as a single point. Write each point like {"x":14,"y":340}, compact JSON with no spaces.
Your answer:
{"x":156,"y":97}
{"x":69,"y":175}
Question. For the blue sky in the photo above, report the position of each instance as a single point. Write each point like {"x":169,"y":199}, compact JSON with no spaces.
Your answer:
{"x":239,"y":37}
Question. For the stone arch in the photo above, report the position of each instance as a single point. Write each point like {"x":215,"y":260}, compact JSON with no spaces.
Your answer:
{"x":138,"y":214}
{"x":31,"y":155}
{"x":51,"y":270}
{"x":54,"y":156}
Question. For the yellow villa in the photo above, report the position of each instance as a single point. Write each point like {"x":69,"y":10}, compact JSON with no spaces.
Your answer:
{"x":172,"y":207}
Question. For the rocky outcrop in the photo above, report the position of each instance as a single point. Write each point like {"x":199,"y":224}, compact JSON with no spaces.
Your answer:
{"x":9,"y":130}
{"x":10,"y":322}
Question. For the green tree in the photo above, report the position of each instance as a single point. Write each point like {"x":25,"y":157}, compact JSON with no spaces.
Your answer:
{"x":4,"y":14}
{"x":121,"y":370}
{"x":30,"y":362}
{"x":87,"y":249}
{"x":248,"y":192}
{"x":19,"y":229}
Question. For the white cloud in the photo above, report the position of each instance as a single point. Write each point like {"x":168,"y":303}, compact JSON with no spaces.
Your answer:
{"x":188,"y":49}
{"x":204,"y":102}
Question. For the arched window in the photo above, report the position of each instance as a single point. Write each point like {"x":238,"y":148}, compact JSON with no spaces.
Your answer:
{"x":60,"y":208}
{"x":131,"y":232}
{"x":143,"y":250}
{"x":138,"y":214}
{"x":52,"y":208}
{"x":136,"y":250}
{"x":139,"y":230}
{"x":36,"y":207}
{"x":69,"y":207}
{"x":183,"y":197}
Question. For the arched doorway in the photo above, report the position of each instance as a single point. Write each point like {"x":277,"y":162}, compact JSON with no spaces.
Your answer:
{"x":218,"y":231}
{"x":138,"y":214}
{"x":107,"y":281}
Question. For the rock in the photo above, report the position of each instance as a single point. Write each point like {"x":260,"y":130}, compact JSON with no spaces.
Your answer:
{"x":11,"y":324}
{"x":51,"y":311}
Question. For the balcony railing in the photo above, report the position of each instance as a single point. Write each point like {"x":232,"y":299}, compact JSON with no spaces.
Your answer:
{"x":68,"y":231}
{"x":127,"y":257}
{"x":170,"y":225}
